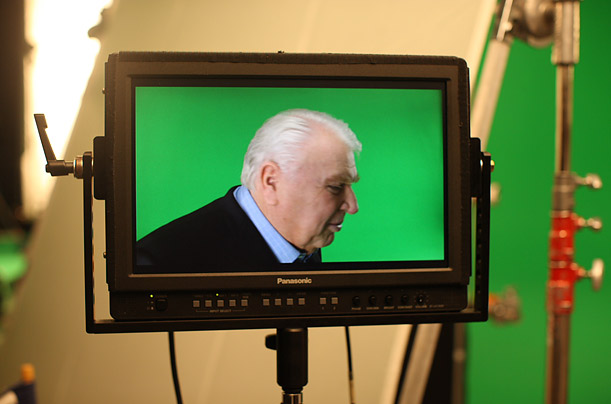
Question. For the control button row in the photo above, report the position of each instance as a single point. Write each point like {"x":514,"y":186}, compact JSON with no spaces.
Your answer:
{"x":209,"y":303}
{"x":324,"y":300}
{"x":289,"y":301}
{"x":389,"y":300}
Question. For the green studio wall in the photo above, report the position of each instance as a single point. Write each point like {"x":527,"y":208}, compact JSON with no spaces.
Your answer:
{"x":506,"y":363}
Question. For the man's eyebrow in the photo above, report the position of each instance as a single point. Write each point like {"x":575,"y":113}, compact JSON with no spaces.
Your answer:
{"x":345,"y":178}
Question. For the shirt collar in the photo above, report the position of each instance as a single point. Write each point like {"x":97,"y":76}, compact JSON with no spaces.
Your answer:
{"x":284,"y":251}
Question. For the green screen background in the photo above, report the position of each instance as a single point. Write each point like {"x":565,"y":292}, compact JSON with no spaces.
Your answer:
{"x":506,"y":362}
{"x":190,"y":145}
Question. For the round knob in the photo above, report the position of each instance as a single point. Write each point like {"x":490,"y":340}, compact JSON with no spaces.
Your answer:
{"x":596,"y":273}
{"x":591,"y":180}
{"x":594,"y":223}
{"x":594,"y":181}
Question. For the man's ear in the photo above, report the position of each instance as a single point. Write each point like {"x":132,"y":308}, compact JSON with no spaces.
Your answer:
{"x":269,"y":177}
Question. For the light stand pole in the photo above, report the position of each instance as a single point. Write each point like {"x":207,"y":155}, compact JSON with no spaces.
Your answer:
{"x":563,"y":271}
{"x":536,"y":22}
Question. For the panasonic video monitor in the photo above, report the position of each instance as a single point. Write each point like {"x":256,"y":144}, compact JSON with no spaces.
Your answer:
{"x":381,"y":231}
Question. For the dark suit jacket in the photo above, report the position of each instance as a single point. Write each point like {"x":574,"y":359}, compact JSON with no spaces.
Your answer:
{"x":215,"y":238}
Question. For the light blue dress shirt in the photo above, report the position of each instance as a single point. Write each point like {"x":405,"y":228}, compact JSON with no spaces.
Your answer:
{"x":282,"y":249}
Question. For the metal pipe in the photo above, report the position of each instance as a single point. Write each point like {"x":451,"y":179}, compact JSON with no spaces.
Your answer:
{"x":565,"y":54}
{"x":489,"y":88}
{"x":564,"y":116}
{"x":559,"y":330}
{"x":563,"y":272}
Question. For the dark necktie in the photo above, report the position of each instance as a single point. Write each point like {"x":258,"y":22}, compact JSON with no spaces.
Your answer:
{"x":313,"y":258}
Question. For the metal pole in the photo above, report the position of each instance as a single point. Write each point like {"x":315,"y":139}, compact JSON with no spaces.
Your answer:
{"x":559,"y":327}
{"x":563,"y":272}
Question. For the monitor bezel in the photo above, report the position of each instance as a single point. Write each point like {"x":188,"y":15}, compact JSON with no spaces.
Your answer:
{"x":125,"y":68}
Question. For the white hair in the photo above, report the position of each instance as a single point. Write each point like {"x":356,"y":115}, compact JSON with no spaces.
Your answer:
{"x":282,"y":136}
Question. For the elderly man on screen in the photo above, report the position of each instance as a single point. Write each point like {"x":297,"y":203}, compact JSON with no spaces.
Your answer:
{"x":296,"y":190}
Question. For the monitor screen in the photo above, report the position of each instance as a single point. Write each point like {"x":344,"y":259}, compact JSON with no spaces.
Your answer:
{"x":178,"y":127}
{"x":205,"y":131}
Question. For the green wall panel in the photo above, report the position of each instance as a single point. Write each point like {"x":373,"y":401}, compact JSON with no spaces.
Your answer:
{"x":506,"y":363}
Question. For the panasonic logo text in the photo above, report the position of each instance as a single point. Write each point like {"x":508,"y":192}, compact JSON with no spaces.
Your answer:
{"x":297,"y":281}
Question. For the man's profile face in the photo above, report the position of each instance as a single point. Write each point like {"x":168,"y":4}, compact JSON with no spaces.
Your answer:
{"x":315,"y":197}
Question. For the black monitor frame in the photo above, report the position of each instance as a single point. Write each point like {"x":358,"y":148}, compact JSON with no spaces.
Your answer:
{"x":468,"y":174}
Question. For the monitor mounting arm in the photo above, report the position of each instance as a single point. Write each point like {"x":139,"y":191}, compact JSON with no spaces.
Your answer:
{"x":56,"y":167}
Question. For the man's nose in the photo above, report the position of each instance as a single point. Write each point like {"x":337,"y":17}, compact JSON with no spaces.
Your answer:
{"x":350,"y":204}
